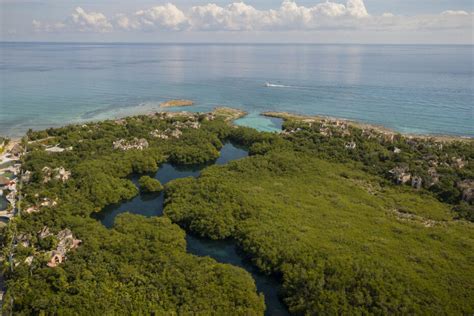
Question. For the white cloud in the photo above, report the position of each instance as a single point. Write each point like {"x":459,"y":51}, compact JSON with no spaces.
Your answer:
{"x":290,"y":16}
{"x":235,"y":17}
{"x":356,"y":8}
{"x":124,"y":23}
{"x":89,"y":21}
{"x":452,"y":12}
{"x":239,"y":16}
{"x":159,"y":17}
{"x":80,"y":21}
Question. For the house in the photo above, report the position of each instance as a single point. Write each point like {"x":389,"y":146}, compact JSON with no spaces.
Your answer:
{"x":4,"y":182}
{"x":13,"y":169}
{"x":44,"y":232}
{"x":458,"y":163}
{"x":11,"y":197}
{"x":400,"y":175}
{"x":32,"y":209}
{"x":23,"y":240}
{"x":59,"y":174}
{"x":158,"y":134}
{"x":17,"y":150}
{"x":346,"y":133}
{"x":66,"y":243}
{"x":434,"y":176}
{"x":176,"y":133}
{"x":168,"y":133}
{"x":416,"y":182}
{"x":121,"y":122}
{"x":47,"y":202}
{"x":12,"y":185}
{"x":55,"y":149}
{"x":29,"y":260}
{"x":194,"y":125}
{"x":26,"y":177}
{"x":136,"y":143}
{"x":388,"y":137}
{"x":209,"y":117}
{"x":62,"y":174}
{"x":47,"y":173}
{"x":55,"y":260}
{"x":467,"y":189}
{"x":325,"y":131}
{"x":351,"y":145}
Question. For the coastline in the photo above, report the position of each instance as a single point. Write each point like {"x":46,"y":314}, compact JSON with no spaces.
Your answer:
{"x":229,"y":112}
{"x":233,"y":114}
{"x":327,"y":177}
{"x":361,"y":125}
{"x":176,"y":103}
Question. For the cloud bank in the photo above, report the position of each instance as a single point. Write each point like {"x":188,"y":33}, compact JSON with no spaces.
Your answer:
{"x":240,"y":17}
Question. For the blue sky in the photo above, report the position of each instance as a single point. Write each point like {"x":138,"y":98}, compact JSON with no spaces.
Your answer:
{"x":407,"y":21}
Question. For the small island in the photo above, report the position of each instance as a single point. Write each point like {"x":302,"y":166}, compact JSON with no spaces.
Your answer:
{"x":150,"y":185}
{"x":176,"y":103}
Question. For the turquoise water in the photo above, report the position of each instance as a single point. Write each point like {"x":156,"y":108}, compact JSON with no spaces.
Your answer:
{"x":263,"y":123}
{"x":416,"y":89}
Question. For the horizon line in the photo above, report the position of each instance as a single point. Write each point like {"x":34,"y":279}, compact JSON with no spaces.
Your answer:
{"x":233,"y":43}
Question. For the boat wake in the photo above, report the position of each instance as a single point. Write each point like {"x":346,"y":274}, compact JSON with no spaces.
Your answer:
{"x":273,"y":85}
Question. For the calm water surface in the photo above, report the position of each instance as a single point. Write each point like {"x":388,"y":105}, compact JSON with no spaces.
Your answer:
{"x":151,"y":204}
{"x":3,"y":203}
{"x":224,"y":251}
{"x":417,"y":89}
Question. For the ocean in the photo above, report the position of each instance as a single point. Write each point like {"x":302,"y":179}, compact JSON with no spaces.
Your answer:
{"x":412,"y":89}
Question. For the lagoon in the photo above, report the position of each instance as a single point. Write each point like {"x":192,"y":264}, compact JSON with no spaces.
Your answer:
{"x":151,"y":204}
{"x":224,"y":251}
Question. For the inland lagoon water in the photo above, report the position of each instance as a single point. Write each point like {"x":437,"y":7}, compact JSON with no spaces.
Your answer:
{"x":224,"y":251}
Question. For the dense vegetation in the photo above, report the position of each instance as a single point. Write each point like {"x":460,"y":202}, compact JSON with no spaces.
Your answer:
{"x":440,"y":165}
{"x":343,"y":241}
{"x":150,"y":185}
{"x":328,"y":220}
{"x":140,"y":265}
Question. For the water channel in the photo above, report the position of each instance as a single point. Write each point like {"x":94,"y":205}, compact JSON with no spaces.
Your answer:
{"x":224,"y":251}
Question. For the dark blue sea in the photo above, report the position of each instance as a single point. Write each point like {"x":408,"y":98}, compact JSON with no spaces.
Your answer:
{"x":412,"y":89}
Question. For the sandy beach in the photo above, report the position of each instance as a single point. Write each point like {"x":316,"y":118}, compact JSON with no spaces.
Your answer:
{"x":176,"y":103}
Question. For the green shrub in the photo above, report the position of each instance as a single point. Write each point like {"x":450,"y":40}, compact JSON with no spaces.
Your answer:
{"x":149,"y":184}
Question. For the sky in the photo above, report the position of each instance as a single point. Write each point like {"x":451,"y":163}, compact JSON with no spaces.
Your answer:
{"x":251,"y":21}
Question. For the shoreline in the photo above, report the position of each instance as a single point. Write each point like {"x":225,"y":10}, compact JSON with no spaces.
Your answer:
{"x":230,"y":113}
{"x":176,"y":103}
{"x":236,"y":113}
{"x":361,"y":125}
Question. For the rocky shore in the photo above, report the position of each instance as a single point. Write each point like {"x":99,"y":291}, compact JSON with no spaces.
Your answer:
{"x":364,"y":126}
{"x":176,"y":103}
